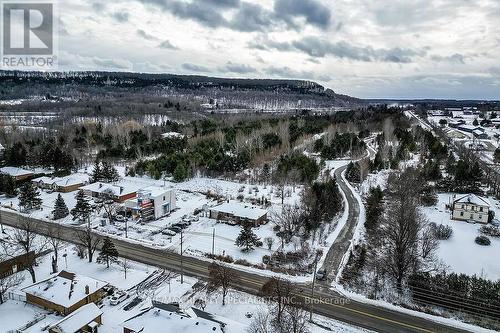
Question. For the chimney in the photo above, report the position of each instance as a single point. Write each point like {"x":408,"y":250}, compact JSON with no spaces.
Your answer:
{"x":121,"y":189}
{"x":87,"y":290}
{"x":100,"y":185}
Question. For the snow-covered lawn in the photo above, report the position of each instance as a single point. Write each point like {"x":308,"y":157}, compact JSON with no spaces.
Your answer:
{"x":460,"y":252}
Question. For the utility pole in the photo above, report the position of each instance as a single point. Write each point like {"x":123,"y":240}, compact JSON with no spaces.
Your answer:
{"x":126,"y":227}
{"x":182,"y":264}
{"x":213,"y":242}
{"x":1,"y":225}
{"x":312,"y":290}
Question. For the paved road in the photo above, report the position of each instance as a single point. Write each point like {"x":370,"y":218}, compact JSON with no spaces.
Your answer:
{"x":330,"y":304}
{"x":340,"y":246}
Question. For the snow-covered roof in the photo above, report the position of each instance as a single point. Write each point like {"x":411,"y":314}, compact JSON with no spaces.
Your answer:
{"x":240,"y":209}
{"x":77,"y":319}
{"x":117,"y":189}
{"x":65,"y":289}
{"x":473,"y":199}
{"x":172,"y":135}
{"x":14,"y":171}
{"x":155,"y":191}
{"x":158,"y":319}
{"x":467,"y":127}
{"x":75,"y":179}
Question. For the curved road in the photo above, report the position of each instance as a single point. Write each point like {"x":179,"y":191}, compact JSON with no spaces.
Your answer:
{"x":341,"y":245}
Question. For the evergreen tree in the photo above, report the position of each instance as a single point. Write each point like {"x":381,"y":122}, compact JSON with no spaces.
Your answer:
{"x":247,"y":239}
{"x":109,"y":173}
{"x":108,"y":254}
{"x":82,"y":207}
{"x":180,"y":172}
{"x":374,"y":208}
{"x":96,"y":172}
{"x":29,"y":198}
{"x":8,"y":186}
{"x":60,"y":209}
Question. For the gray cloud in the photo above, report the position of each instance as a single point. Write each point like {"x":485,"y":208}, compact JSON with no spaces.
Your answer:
{"x":146,"y":35}
{"x":319,"y":48}
{"x":203,"y":12}
{"x":251,"y":17}
{"x":121,"y":16}
{"x":288,"y":73}
{"x":246,"y":16}
{"x":454,"y":58}
{"x":166,"y":44}
{"x":313,"y":11}
{"x":237,"y":68}
{"x":196,"y":68}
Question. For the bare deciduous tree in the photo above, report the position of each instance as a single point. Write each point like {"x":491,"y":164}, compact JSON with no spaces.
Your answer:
{"x":261,"y":323}
{"x":27,"y":240}
{"x":90,"y":240}
{"x":278,"y":291}
{"x":404,"y":230}
{"x":221,"y":277}
{"x":53,"y":239}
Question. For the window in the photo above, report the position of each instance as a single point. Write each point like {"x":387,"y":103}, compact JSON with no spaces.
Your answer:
{"x":480,"y":209}
{"x":461,"y":213}
{"x":463,"y":206}
{"x":472,"y":216}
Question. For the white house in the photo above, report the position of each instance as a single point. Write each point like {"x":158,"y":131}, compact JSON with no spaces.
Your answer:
{"x":470,"y":207}
{"x":152,"y":202}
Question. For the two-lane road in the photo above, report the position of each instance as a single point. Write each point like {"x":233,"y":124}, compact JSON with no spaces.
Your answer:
{"x":329,"y":304}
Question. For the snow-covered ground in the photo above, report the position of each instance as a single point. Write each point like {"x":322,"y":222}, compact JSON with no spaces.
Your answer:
{"x":460,"y":253}
{"x":16,"y":314}
{"x":192,"y":195}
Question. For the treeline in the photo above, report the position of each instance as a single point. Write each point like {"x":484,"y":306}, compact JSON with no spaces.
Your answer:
{"x":472,"y":295}
{"x":340,"y":145}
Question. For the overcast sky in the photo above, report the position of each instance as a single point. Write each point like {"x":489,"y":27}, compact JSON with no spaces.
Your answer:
{"x":364,"y":48}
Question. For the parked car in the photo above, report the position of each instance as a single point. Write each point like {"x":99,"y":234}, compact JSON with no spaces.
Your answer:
{"x":181,"y":225}
{"x":321,"y":275}
{"x":168,"y":232}
{"x":119,"y":218}
{"x":118,"y":297}
{"x":175,"y":229}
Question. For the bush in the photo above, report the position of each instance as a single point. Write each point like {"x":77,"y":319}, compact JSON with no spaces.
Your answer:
{"x":483,"y":240}
{"x":490,"y":230}
{"x":442,"y":231}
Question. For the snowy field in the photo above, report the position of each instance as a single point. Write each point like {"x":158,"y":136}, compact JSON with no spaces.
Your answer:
{"x":460,"y":253}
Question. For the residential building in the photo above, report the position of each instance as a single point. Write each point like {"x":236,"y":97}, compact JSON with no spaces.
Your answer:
{"x":152,"y":202}
{"x":66,"y":292}
{"x":239,"y":213}
{"x":119,"y":192}
{"x":170,"y":318}
{"x":17,"y":173}
{"x":456,"y":124}
{"x":470,"y":207}
{"x":62,"y":184}
{"x":480,"y":134}
{"x":86,"y":319}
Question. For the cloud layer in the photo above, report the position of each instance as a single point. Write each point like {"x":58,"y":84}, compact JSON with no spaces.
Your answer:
{"x":389,"y":49}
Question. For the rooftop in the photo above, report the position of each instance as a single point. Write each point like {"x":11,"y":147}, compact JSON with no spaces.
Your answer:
{"x":240,"y":209}
{"x":14,"y":171}
{"x":169,"y":318}
{"x":77,"y":319}
{"x":65,"y":289}
{"x":116,"y":189}
{"x":473,"y":199}
{"x":75,"y":179}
